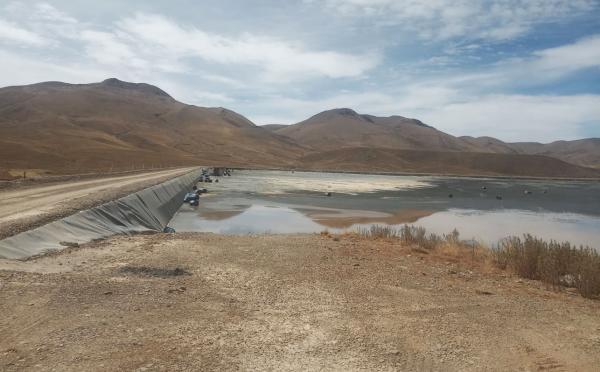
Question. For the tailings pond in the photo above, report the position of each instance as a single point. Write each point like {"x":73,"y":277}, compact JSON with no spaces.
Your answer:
{"x":487,"y":210}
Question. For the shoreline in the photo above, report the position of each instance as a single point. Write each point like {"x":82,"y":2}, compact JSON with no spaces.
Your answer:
{"x":416,"y":174}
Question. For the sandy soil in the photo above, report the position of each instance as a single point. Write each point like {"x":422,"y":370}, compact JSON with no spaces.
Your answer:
{"x":27,"y":207}
{"x":288,"y":302}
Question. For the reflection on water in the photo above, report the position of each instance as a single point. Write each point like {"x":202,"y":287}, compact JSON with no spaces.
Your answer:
{"x":282,"y":202}
{"x":255,"y":219}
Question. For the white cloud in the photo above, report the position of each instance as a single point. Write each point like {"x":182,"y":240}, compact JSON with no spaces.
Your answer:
{"x":21,"y":69}
{"x":508,"y":117}
{"x":10,"y":32}
{"x":281,"y":80}
{"x":540,"y":67}
{"x":47,"y":12}
{"x":582,"y":54}
{"x":518,"y":117}
{"x":106,"y":48}
{"x":471,"y":19}
{"x":280,"y":60}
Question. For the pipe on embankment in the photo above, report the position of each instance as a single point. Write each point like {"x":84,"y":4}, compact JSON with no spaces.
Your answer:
{"x":150,"y":209}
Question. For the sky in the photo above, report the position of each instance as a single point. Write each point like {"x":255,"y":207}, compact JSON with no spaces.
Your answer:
{"x":518,"y":70}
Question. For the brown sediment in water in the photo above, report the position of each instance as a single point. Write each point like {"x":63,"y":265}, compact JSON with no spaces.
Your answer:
{"x":341,"y":219}
{"x":216,"y":215}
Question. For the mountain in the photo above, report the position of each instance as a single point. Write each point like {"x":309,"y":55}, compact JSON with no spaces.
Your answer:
{"x":490,"y":144}
{"x":344,"y":128}
{"x":339,"y":128}
{"x":445,"y":162}
{"x":56,"y":127}
{"x":584,"y":152}
{"x":72,"y":127}
{"x":273,"y":127}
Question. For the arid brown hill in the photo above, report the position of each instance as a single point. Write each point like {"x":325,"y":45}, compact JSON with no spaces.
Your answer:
{"x":58,"y":127}
{"x":342,"y":128}
{"x":67,"y":127}
{"x":339,"y":128}
{"x":445,"y":162}
{"x":273,"y":127}
{"x":584,"y":152}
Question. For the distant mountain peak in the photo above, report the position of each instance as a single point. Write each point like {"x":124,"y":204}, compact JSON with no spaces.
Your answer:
{"x":51,"y":84}
{"x":338,"y":112}
{"x":140,"y":87}
{"x":343,"y":111}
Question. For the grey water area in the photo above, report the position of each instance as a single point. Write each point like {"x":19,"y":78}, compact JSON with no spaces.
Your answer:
{"x":483,"y":209}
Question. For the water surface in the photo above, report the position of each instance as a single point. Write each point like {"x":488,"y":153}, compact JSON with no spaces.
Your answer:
{"x":254,"y":202}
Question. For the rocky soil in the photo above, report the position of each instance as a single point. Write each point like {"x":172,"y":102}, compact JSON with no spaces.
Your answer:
{"x":287,"y":302}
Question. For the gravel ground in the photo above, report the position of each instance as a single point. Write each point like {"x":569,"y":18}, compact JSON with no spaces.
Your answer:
{"x":283,"y":302}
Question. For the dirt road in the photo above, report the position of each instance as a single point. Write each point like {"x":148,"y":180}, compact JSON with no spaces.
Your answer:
{"x":290,"y":302}
{"x":27,"y":207}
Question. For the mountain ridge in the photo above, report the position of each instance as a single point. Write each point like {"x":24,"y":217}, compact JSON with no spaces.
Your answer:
{"x":107,"y":124}
{"x":398,"y":132}
{"x":60,"y":127}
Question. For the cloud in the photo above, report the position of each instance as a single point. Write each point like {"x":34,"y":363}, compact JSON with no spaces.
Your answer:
{"x":518,"y":117}
{"x":47,"y":12}
{"x":538,"y":68}
{"x":21,"y":69}
{"x":564,"y":59}
{"x":274,"y":75}
{"x":106,"y":48}
{"x":10,"y":32}
{"x":471,"y":19}
{"x":508,"y":117}
{"x":280,"y":60}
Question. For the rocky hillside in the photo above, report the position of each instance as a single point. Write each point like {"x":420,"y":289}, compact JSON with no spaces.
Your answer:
{"x":58,"y":126}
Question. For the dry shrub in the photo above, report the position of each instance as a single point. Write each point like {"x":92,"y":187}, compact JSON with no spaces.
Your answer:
{"x":416,"y":236}
{"x":554,"y":263}
{"x":379,"y":232}
{"x":558,"y":264}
